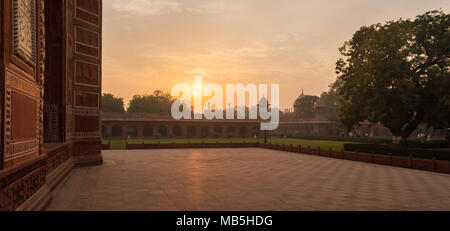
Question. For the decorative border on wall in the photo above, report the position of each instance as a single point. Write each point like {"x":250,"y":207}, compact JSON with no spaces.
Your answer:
{"x":42,"y":57}
{"x":86,"y":107}
{"x":87,"y":135}
{"x":24,"y":30}
{"x":15,"y":83}
{"x":86,"y":112}
{"x":55,"y":160}
{"x":84,"y":84}
{"x":19,"y":186}
{"x":14,"y":149}
{"x":70,"y":50}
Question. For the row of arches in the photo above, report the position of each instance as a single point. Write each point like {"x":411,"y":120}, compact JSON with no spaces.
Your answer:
{"x":180,"y":131}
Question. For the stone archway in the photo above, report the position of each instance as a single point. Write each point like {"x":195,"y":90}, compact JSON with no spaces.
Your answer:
{"x":147,"y":131}
{"x":218,"y":132}
{"x":243,"y":132}
{"x":163,"y":131}
{"x":191,"y":131}
{"x":231,"y":132}
{"x":116,"y":131}
{"x":132,"y":131}
{"x":177,"y":131}
{"x":204,"y":132}
{"x":256,"y":131}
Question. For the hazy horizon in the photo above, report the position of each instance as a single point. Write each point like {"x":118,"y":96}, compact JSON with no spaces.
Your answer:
{"x":154,"y":44}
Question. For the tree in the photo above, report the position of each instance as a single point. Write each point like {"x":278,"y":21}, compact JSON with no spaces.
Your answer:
{"x":304,"y":106}
{"x":331,"y":100}
{"x":110,"y":103}
{"x":397,"y":73}
{"x":159,"y":102}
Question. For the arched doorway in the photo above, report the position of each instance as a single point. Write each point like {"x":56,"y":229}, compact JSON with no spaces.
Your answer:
{"x":218,"y":132}
{"x":177,"y":131}
{"x":231,"y":132}
{"x":204,"y":132}
{"x":147,"y":131}
{"x":243,"y":132}
{"x":163,"y":131}
{"x":132,"y":131}
{"x":116,"y":131}
{"x":191,"y":131}
{"x":256,"y":131}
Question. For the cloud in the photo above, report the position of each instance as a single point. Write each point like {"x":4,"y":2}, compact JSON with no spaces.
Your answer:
{"x":165,"y":7}
{"x":145,"y":7}
{"x":159,"y":43}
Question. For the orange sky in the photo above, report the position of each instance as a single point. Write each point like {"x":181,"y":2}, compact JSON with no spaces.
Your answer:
{"x":155,"y":44}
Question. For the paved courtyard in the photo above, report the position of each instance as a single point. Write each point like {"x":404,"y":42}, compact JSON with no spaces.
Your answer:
{"x":246,"y":179}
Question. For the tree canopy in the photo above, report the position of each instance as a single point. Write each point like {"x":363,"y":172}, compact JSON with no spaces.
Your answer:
{"x":397,"y":73}
{"x":159,"y":102}
{"x":304,"y":106}
{"x":110,"y":103}
{"x":331,"y":100}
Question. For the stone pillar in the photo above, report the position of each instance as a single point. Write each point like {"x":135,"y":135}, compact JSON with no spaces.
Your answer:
{"x":197,"y":132}
{"x":140,"y":131}
{"x":155,"y":129}
{"x":211,"y":131}
{"x":232,"y":133}
{"x":224,"y":132}
{"x":184,"y":130}
{"x":170,"y":130}
{"x":125,"y":132}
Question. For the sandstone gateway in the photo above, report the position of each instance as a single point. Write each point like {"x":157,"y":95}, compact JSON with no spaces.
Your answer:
{"x":50,"y":86}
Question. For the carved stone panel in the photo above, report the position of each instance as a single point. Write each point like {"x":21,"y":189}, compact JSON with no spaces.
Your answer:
{"x":87,"y":100}
{"x":86,"y":123}
{"x":22,"y":116}
{"x":24,"y":30}
{"x":87,"y":73}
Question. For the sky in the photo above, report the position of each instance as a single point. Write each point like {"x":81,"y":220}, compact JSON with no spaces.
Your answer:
{"x":153,"y":45}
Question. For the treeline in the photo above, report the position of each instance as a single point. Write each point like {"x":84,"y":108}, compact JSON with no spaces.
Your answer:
{"x":310,"y":106}
{"x":159,"y":102}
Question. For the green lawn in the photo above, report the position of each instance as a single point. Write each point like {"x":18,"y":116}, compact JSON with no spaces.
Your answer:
{"x":325,"y":145}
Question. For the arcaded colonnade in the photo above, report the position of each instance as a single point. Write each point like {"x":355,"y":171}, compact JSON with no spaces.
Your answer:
{"x":121,"y":126}
{"x":180,"y":129}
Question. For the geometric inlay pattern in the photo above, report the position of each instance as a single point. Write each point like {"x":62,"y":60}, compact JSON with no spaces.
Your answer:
{"x":24,"y":30}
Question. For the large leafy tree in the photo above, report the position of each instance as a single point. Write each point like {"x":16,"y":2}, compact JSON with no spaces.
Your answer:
{"x":304,"y":106}
{"x":159,"y":102}
{"x":111,"y":103}
{"x":331,"y":100}
{"x":397,"y":73}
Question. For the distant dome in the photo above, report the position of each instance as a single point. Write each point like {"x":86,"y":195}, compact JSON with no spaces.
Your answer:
{"x":302,"y":95}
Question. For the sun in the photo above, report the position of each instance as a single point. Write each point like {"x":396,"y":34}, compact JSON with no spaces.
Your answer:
{"x":195,"y":93}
